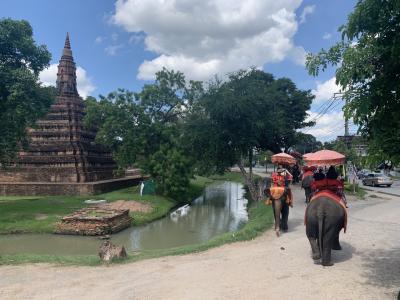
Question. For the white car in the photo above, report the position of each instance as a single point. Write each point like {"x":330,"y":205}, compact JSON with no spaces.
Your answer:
{"x":377,"y":179}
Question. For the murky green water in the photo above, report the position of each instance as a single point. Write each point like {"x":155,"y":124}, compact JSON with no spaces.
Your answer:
{"x":222,"y":208}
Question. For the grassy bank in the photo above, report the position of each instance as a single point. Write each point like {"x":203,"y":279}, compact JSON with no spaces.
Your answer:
{"x":260,"y":218}
{"x":39,"y":214}
{"x":359,"y":191}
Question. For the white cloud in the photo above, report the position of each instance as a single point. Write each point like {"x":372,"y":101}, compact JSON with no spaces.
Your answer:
{"x":327,"y":127}
{"x":327,"y":36}
{"x":114,"y":37}
{"x":99,"y":39}
{"x":308,"y":10}
{"x":298,"y":55}
{"x":113,"y":49}
{"x":204,"y":37}
{"x":325,"y":90}
{"x":136,"y":38}
{"x":328,"y":115}
{"x":84,"y":83}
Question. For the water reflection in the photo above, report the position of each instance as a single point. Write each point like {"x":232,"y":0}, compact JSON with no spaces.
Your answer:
{"x":222,"y":208}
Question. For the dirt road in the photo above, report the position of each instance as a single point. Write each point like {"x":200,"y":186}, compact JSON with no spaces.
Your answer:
{"x":268,"y":267}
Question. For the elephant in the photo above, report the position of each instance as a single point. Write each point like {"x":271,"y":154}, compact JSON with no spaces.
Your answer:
{"x":280,"y":206}
{"x":324,"y":219}
{"x":306,"y":185}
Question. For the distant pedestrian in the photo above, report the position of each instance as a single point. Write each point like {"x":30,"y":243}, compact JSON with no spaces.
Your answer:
{"x":295,"y":173}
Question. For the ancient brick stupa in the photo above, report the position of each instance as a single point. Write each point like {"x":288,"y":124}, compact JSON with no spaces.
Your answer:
{"x":62,"y":157}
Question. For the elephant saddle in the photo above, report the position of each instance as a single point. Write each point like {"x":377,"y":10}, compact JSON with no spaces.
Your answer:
{"x":334,"y":197}
{"x":277,"y":192}
{"x":328,"y":184}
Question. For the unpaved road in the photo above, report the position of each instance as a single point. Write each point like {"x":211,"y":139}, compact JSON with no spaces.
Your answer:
{"x":268,"y":267}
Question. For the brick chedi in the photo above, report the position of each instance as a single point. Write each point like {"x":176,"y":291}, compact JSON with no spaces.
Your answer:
{"x":61,"y":150}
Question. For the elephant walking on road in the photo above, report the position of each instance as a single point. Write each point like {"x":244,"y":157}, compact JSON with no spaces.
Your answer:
{"x":306,"y":183}
{"x":280,"y":206}
{"x":324,"y":219}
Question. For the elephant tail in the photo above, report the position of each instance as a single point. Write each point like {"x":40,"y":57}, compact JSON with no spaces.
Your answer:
{"x":321,"y":221}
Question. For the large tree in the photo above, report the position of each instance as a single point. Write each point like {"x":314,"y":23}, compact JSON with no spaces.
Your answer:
{"x":249,"y":111}
{"x":144,"y":129}
{"x":306,"y":143}
{"x":368,"y":69}
{"x":22,"y":99}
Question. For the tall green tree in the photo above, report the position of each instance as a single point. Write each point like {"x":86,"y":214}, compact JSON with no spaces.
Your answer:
{"x":145,"y":129}
{"x":22,"y":99}
{"x":249,"y":111}
{"x":306,"y":143}
{"x":368,"y":69}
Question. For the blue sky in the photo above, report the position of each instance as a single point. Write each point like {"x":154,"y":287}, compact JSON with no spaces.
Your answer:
{"x":121,"y":44}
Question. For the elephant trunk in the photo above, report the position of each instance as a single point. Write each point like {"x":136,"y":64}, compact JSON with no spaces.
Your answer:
{"x":277,"y":213}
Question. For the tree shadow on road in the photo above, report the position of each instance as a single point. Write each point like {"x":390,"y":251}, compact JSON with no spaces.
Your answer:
{"x":382,"y":268}
{"x":339,"y":256}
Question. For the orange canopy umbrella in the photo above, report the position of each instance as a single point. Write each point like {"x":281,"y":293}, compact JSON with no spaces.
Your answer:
{"x":324,"y":158}
{"x":283,"y":158}
{"x":307,"y":154}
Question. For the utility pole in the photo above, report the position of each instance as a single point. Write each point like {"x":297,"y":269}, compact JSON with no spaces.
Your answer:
{"x":346,"y":134}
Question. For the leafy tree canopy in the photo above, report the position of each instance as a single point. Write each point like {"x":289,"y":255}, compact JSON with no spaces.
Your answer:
{"x":306,"y":143}
{"x":144,"y":129}
{"x":249,"y":111}
{"x":368,"y":69}
{"x":22,"y":99}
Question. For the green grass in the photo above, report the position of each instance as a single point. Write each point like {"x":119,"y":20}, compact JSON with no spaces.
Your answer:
{"x":229,"y":176}
{"x":260,"y":219}
{"x":349,"y":190}
{"x":39,"y":214}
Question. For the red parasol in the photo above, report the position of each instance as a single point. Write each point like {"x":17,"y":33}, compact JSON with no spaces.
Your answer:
{"x":283,"y":158}
{"x":324,"y":158}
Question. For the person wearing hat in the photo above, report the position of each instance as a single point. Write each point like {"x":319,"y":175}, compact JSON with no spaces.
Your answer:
{"x":278,"y":177}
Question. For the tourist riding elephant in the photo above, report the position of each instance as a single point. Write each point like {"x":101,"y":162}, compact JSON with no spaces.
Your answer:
{"x":278,"y":196}
{"x":325,"y":217}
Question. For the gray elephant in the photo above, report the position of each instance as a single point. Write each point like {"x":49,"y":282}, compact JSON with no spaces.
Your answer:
{"x":281,"y":199}
{"x":325,"y":217}
{"x":306,"y":183}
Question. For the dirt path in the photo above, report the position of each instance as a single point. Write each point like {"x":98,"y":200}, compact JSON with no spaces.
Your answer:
{"x":268,"y":267}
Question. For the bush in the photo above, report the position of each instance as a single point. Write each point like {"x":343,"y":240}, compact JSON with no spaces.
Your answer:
{"x":171,"y":171}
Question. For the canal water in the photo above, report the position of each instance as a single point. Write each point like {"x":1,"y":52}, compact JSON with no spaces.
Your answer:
{"x":222,"y":208}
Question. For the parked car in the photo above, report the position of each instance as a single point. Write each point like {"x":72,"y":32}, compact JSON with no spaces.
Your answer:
{"x":377,"y":179}
{"x":363,"y":173}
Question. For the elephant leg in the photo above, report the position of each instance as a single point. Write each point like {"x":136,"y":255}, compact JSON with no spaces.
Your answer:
{"x":328,"y":239}
{"x":315,"y":249}
{"x":336,"y":244}
{"x":285,"y":216}
{"x":276,"y":206}
{"x":307,"y":192}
